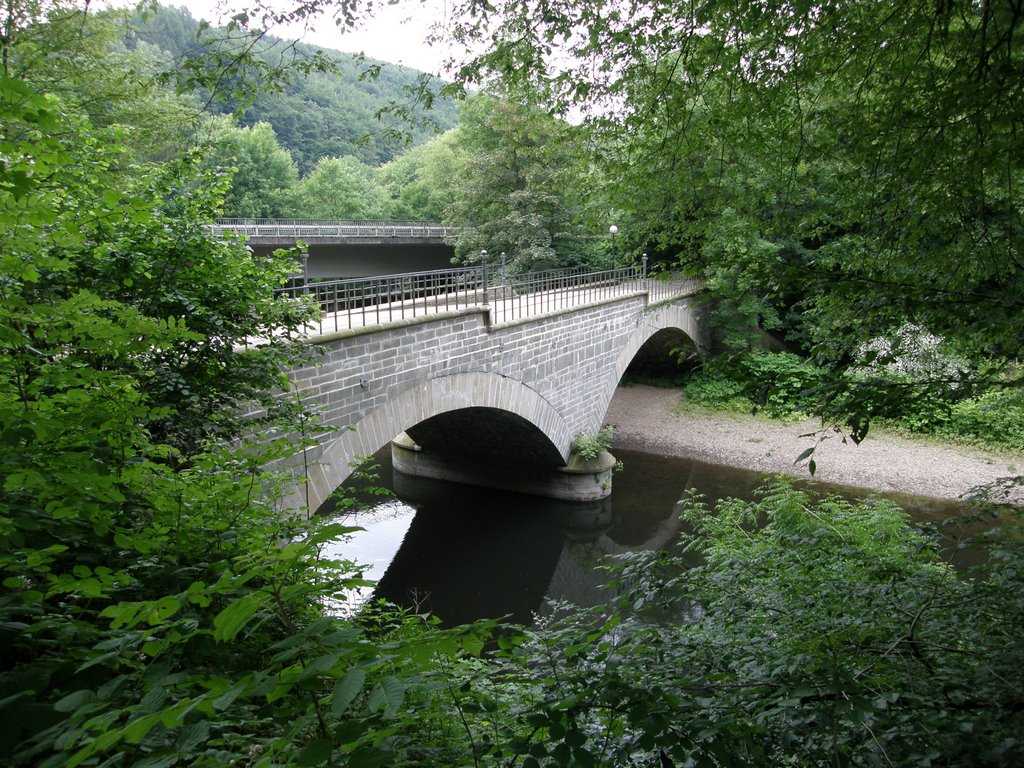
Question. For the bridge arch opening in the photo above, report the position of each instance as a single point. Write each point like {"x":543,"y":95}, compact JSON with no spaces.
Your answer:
{"x":486,"y":435}
{"x":433,"y":409}
{"x":664,"y":356}
{"x":498,"y":449}
{"x":658,"y":332}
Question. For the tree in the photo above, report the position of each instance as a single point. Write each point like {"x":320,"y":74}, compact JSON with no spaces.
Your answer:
{"x":856,"y":163}
{"x":353,"y":107}
{"x":418,"y":182}
{"x":514,"y":194}
{"x":66,"y":51}
{"x":263,"y":174}
{"x":339,"y":188}
{"x":157,"y":607}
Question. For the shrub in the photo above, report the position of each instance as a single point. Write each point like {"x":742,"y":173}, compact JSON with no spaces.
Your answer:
{"x":814,"y":632}
{"x":993,"y":419}
{"x":589,"y":447}
{"x":717,"y":389}
{"x":779,"y":383}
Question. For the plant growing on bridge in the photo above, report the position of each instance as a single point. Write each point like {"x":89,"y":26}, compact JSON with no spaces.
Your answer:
{"x":589,"y":447}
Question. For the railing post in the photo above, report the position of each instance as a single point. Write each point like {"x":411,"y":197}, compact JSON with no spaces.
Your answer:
{"x":483,"y":260}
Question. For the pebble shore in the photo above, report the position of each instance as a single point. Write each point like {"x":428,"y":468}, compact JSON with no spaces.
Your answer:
{"x":648,"y":419}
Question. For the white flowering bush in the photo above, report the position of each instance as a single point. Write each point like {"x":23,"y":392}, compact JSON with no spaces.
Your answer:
{"x":912,"y":352}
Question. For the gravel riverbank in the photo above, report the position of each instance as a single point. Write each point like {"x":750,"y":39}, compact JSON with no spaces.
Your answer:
{"x":647,"y":419}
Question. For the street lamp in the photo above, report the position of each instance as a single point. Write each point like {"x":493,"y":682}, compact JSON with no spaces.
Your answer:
{"x":483,"y":276}
{"x":613,"y":230}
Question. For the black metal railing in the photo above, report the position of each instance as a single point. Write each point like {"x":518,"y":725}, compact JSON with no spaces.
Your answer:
{"x":359,"y":302}
{"x":539,"y":293}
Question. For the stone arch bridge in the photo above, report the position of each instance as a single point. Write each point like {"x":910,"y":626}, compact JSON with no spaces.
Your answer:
{"x":471,"y":396}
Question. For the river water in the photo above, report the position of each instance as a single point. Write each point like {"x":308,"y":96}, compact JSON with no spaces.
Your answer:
{"x":464,"y":553}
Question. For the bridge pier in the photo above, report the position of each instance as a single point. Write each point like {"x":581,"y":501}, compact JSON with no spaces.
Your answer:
{"x":579,"y":480}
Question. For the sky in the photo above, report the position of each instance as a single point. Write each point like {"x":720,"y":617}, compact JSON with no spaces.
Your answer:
{"x":396,"y":34}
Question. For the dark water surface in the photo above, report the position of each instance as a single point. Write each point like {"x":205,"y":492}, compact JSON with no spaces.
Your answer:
{"x":465,"y":553}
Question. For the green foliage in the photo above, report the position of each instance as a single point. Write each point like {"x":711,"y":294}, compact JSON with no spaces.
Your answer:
{"x":839,"y":169}
{"x":994,"y":419}
{"x":779,"y":383}
{"x":159,"y":609}
{"x":417,"y":183}
{"x":149,"y":613}
{"x":783,"y":385}
{"x":68,"y":52}
{"x":339,"y":188}
{"x":513,"y":195}
{"x":718,"y":389}
{"x":589,"y":447}
{"x":263,"y":174}
{"x":814,"y":632}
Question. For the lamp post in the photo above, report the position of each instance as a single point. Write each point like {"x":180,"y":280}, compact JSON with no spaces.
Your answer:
{"x":483,"y":261}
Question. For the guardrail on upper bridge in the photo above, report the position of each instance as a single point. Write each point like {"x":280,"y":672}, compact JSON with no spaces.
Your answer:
{"x":310,"y":228}
{"x":359,"y":302}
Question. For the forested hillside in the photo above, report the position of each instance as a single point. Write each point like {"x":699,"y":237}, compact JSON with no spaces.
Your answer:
{"x":325,"y":114}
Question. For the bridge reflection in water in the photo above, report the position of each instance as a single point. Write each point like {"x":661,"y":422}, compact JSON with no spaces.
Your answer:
{"x":465,"y":553}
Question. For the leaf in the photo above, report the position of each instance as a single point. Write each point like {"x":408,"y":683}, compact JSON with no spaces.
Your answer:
{"x":229,"y":622}
{"x":73,"y":701}
{"x":370,"y":757}
{"x":190,"y":736}
{"x":163,"y":760}
{"x":317,"y":752}
{"x":346,"y":690}
{"x":388,"y":695}
{"x":136,"y":731}
{"x":804,"y":455}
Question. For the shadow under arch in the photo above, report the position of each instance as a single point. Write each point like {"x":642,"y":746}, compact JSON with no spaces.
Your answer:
{"x":418,"y":403}
{"x":680,"y":317}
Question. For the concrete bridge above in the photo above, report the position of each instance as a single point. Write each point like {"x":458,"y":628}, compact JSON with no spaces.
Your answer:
{"x":349,"y":248}
{"x":483,"y":394}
